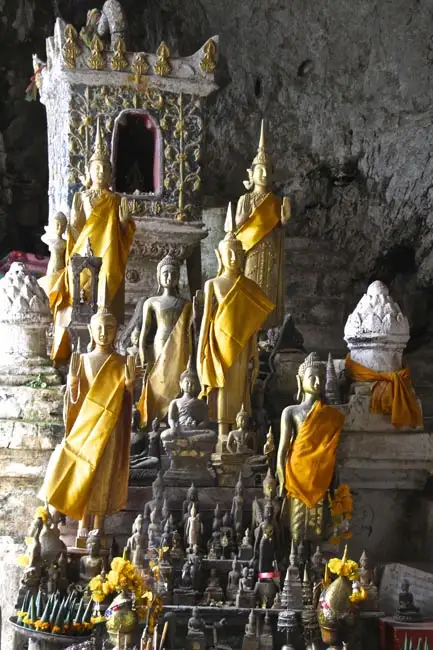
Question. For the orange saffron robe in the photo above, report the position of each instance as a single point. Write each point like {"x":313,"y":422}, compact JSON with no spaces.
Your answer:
{"x":238,"y":317}
{"x":311,"y":460}
{"x":109,"y":240}
{"x":392,"y":394}
{"x":88,"y":471}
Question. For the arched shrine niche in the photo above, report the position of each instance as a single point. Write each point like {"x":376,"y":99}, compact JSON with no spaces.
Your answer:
{"x":136,"y":154}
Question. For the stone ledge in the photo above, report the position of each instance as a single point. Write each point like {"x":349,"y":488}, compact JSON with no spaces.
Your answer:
{"x":24,"y":402}
{"x":21,"y":434}
{"x":27,"y":464}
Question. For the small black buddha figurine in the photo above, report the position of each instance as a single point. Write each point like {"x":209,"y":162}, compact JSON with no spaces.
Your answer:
{"x":213,"y":592}
{"x":236,"y":513}
{"x":233,"y":581}
{"x":177,"y":552}
{"x":407,"y":611}
{"x":264,"y":548}
{"x":245,"y":596}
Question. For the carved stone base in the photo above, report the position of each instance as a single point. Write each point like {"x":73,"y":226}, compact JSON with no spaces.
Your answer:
{"x":184,"y":597}
{"x":246,"y":599}
{"x":195,"y":642}
{"x":229,"y":466}
{"x":189,"y":453}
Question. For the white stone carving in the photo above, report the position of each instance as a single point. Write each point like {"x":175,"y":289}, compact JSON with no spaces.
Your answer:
{"x":24,"y":317}
{"x":377,"y":331}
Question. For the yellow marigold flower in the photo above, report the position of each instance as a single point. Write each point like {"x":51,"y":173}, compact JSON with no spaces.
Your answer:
{"x":334,"y":565}
{"x":23,"y":560}
{"x":106,"y":588}
{"x":118,"y":564}
{"x":56,"y":629}
{"x":95,"y":583}
{"x":335,"y":541}
{"x":347,"y":534}
{"x":358,"y":596}
{"x":98,"y":596}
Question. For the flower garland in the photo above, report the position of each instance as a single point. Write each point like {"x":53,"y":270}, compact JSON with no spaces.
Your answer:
{"x":341,"y":505}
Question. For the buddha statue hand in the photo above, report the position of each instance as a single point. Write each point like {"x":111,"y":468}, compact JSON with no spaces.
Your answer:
{"x":130,"y":373}
{"x":124,"y":215}
{"x":286,"y":211}
{"x":74,"y":369}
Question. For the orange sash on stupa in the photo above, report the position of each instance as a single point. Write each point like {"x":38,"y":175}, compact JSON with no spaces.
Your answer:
{"x":392,"y":394}
{"x":311,"y":459}
{"x":261,"y":221}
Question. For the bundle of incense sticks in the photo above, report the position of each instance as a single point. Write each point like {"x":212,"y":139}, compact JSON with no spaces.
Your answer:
{"x":152,"y":643}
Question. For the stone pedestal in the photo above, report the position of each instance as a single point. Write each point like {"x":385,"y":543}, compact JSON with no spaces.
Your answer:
{"x":386,"y":472}
{"x":228,"y":467}
{"x":189,"y":453}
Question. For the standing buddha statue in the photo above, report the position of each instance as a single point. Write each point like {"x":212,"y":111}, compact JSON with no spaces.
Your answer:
{"x":88,"y":472}
{"x":260,"y":220}
{"x":310,"y":432}
{"x":235,"y":309}
{"x":98,"y":216}
{"x":169,"y":316}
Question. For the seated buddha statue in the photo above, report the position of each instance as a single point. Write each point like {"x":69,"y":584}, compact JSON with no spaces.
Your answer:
{"x":92,"y":564}
{"x":187,"y":411}
{"x":310,"y":433}
{"x":165,"y":357}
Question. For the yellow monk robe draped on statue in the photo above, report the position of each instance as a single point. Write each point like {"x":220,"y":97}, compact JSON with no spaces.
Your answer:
{"x":262,"y":238}
{"x":162,"y":383}
{"x":88,"y":472}
{"x":239,"y":316}
{"x":260,"y":223}
{"x":110,"y":240}
{"x":392,"y":394}
{"x":311,"y":459}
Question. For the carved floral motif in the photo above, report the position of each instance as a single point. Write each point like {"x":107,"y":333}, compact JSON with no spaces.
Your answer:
{"x":180,"y":119}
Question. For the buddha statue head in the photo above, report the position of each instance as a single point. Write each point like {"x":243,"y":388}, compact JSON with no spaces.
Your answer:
{"x":242,"y":420}
{"x":103,"y":328}
{"x":59,"y":224}
{"x":99,"y":164}
{"x":230,"y":253}
{"x":269,"y":485}
{"x":168,"y":274}
{"x":93,"y":545}
{"x":311,"y":377}
{"x":260,"y":171}
{"x":190,"y":383}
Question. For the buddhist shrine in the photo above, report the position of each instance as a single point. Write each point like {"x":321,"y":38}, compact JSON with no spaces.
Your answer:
{"x":215,"y":327}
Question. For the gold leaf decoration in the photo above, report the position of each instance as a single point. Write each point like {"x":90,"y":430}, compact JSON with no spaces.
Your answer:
{"x":163,"y":66}
{"x":71,"y":49}
{"x":118,"y":61}
{"x":96,"y":60}
{"x":140,"y":65}
{"x":208,"y":62}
